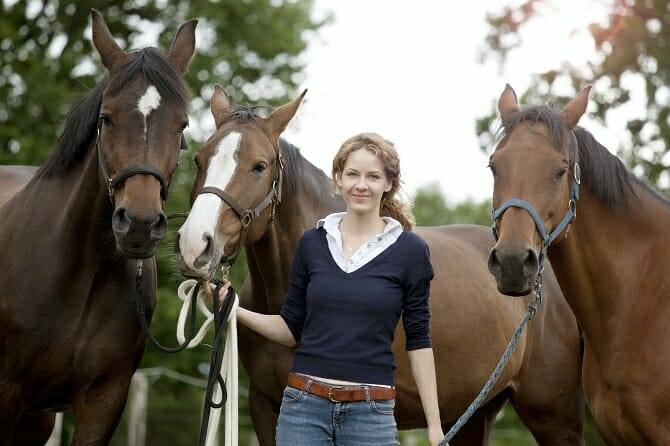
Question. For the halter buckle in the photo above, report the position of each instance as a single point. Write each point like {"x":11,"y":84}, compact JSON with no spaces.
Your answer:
{"x":577,"y":174}
{"x":573,"y":208}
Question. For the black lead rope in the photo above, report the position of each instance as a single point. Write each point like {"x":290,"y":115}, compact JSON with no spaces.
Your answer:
{"x":221,"y":314}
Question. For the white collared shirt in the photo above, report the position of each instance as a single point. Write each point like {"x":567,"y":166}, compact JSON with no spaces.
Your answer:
{"x":368,"y":250}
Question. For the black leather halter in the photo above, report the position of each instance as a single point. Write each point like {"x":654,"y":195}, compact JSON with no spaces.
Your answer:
{"x":134,"y":169}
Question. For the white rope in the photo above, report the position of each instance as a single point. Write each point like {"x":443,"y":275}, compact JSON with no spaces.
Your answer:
{"x":229,"y":371}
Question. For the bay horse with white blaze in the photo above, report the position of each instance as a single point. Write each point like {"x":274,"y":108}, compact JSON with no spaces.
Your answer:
{"x":255,"y":190}
{"x":612,"y":265}
{"x":70,"y":239}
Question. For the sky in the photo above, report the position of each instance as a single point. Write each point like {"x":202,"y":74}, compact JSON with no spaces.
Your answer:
{"x":410,"y":71}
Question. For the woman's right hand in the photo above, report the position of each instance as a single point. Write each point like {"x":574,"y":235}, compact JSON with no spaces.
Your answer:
{"x":210,"y":290}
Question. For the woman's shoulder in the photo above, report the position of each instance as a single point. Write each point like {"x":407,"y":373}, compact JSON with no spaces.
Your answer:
{"x":311,"y":235}
{"x":413,"y":241}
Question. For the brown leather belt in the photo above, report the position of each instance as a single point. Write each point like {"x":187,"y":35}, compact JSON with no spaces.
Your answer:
{"x":340,"y":393}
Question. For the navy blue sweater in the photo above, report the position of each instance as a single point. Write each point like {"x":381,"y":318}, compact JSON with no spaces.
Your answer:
{"x":344,"y":322}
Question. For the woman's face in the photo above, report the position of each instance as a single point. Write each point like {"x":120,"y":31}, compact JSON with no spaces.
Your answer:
{"x":363,"y":182}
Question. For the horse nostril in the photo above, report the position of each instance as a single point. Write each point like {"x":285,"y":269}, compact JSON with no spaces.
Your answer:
{"x":204,"y":258}
{"x":494,"y":263}
{"x":530,"y":263}
{"x":159,"y":227}
{"x":120,"y":221}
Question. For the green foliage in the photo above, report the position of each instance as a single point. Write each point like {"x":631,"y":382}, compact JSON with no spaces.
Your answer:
{"x":252,"y":47}
{"x":631,"y":44}
{"x":431,"y":209}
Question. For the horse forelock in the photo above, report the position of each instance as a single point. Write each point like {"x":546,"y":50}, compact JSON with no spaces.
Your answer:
{"x":80,"y":125}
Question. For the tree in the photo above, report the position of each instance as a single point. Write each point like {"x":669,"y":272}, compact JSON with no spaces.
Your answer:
{"x":431,"y":209}
{"x":252,"y":47}
{"x":632,"y":43}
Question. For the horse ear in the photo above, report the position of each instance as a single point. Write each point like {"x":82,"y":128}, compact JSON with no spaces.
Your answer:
{"x":220,"y":105}
{"x":280,"y":118}
{"x":183,"y":46}
{"x":574,"y":110}
{"x":110,"y":53}
{"x":507,"y":103}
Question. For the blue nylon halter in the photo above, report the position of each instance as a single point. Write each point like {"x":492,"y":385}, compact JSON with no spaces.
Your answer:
{"x":569,"y":217}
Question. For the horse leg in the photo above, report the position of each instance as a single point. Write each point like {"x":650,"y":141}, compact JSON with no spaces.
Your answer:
{"x":477,"y":430}
{"x":555,"y":419}
{"x":33,"y":429}
{"x":548,"y":396}
{"x":97,"y":411}
{"x":264,"y":413}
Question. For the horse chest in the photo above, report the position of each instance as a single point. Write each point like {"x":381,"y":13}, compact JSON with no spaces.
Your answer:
{"x":629,"y":404}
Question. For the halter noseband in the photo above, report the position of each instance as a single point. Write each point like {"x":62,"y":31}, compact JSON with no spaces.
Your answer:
{"x":568,"y":218}
{"x":135,"y":169}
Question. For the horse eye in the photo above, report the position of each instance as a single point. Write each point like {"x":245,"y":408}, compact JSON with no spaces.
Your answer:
{"x":561,"y":173}
{"x":260,"y":167}
{"x":105,"y":120}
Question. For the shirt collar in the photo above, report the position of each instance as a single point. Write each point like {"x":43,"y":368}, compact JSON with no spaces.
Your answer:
{"x":331,"y":223}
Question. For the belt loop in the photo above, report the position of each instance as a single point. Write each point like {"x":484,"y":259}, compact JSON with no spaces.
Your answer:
{"x":309,"y":384}
{"x":367,"y":394}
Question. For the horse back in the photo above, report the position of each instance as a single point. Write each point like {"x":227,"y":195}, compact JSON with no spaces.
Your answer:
{"x":13,"y":179}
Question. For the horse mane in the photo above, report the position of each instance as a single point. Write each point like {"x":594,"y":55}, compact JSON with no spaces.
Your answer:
{"x":82,"y":119}
{"x":302,"y":176}
{"x":605,"y":174}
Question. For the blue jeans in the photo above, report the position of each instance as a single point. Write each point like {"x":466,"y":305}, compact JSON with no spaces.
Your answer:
{"x":306,"y":419}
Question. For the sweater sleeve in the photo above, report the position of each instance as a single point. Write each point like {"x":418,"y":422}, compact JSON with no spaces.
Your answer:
{"x":416,"y":311}
{"x":294,"y":310}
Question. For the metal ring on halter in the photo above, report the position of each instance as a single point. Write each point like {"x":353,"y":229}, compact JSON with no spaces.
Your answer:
{"x":246,"y":219}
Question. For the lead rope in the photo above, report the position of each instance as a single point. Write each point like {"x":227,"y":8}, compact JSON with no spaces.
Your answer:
{"x":511,"y":346}
{"x":224,"y":324}
{"x":225,"y":369}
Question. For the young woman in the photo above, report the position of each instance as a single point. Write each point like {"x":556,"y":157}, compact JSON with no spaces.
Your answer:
{"x":353,"y":277}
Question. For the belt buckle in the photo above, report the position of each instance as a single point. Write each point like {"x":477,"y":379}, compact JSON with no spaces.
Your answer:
{"x":330,"y":393}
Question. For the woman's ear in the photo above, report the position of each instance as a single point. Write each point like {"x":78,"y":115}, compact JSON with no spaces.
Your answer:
{"x":388,"y":187}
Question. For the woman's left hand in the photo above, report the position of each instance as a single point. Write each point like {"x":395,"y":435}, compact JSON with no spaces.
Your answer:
{"x":435,"y":435}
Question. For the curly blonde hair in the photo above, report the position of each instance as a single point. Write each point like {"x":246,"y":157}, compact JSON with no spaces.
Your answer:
{"x":385,"y":151}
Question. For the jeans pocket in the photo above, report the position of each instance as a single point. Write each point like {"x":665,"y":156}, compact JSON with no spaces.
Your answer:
{"x":384,"y":407}
{"x":291,"y":395}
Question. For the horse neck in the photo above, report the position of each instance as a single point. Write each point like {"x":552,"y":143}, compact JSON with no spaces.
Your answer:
{"x":604,"y":263}
{"x":62,"y":211}
{"x":271,"y":257}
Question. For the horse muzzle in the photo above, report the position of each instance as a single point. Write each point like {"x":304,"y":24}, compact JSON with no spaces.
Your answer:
{"x":137,"y":237}
{"x":514,"y":270}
